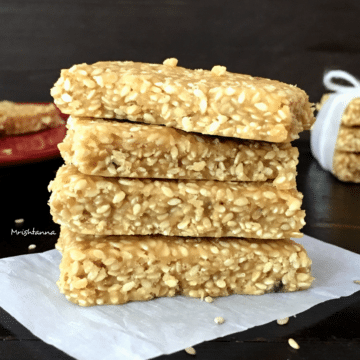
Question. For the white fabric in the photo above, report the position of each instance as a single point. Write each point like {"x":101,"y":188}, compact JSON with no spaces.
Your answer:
{"x":142,"y":330}
{"x":325,"y":130}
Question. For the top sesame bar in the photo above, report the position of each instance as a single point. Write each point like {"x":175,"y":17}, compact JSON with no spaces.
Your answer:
{"x":213,"y":102}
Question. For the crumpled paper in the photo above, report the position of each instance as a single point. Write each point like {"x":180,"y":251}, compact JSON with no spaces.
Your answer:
{"x":142,"y":330}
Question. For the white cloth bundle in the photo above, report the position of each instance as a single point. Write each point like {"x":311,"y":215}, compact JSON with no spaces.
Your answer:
{"x":325,"y":130}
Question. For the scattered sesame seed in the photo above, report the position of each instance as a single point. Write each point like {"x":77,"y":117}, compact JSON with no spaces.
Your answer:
{"x":357,"y":282}
{"x":283,"y":321}
{"x":294,"y":344}
{"x":209,"y":299}
{"x":219,"y":320}
{"x":190,"y":350}
{"x":32,"y":247}
{"x":19,"y":221}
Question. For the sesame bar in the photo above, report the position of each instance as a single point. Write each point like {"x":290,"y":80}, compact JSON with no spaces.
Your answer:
{"x":214,"y":102}
{"x":348,"y":139}
{"x":351,"y":115}
{"x":97,"y":270}
{"x":346,"y":166}
{"x":18,"y":118}
{"x":110,"y":206}
{"x":322,"y":101}
{"x":121,"y":149}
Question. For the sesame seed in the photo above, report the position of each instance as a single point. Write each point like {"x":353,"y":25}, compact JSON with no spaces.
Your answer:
{"x":190,"y":350}
{"x":221,"y":284}
{"x":136,"y":209}
{"x":294,"y":344}
{"x":218,"y":70}
{"x":261,"y":106}
{"x":32,"y":247}
{"x":19,"y":221}
{"x":66,"y":97}
{"x":219,"y":320}
{"x":230,"y":91}
{"x":283,"y":321}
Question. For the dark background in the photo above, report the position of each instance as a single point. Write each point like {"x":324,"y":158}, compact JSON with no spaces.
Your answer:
{"x":287,"y":40}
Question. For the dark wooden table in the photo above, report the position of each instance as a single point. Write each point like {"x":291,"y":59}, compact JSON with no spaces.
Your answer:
{"x":327,"y":331}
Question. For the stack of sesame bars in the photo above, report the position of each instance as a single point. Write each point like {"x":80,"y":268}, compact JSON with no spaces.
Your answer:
{"x":177,"y":181}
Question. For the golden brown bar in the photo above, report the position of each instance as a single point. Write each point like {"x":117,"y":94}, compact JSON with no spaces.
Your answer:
{"x":97,"y":205}
{"x":16,"y":118}
{"x":121,"y":149}
{"x":346,"y":166}
{"x":97,"y":270}
{"x":348,"y":139}
{"x":351,"y":115}
{"x":213,"y":102}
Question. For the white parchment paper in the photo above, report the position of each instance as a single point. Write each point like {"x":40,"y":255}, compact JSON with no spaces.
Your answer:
{"x":142,"y":330}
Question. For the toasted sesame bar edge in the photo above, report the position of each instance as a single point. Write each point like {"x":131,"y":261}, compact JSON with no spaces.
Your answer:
{"x":112,"y":206}
{"x":97,"y":270}
{"x":213,"y":102}
{"x":123,"y":149}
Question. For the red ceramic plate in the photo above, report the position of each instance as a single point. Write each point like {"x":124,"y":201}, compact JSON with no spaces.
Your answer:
{"x":32,"y":147}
